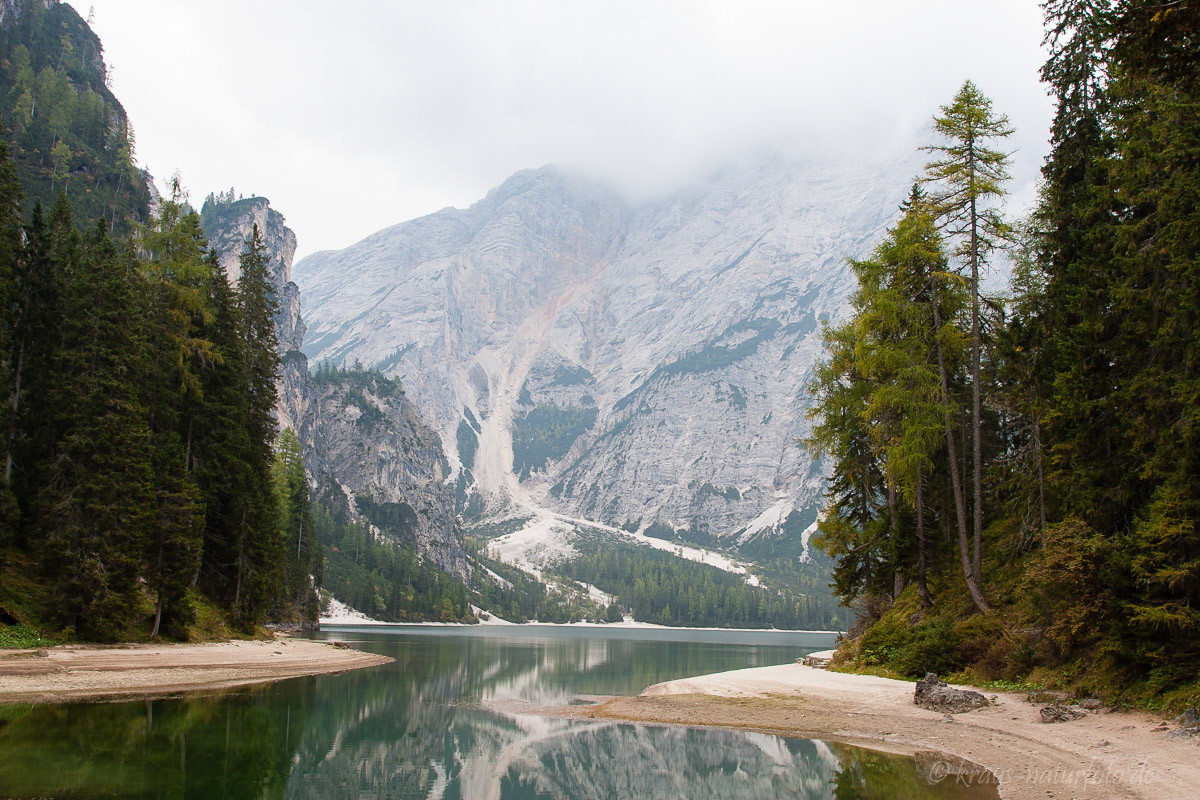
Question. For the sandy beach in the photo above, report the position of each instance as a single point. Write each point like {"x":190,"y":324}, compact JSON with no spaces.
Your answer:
{"x":95,"y":672}
{"x":1105,"y":755}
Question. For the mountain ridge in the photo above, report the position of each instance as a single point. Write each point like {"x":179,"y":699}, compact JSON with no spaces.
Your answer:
{"x":585,"y":354}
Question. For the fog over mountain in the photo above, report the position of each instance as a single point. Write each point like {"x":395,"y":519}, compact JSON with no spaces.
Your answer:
{"x":637,"y":366}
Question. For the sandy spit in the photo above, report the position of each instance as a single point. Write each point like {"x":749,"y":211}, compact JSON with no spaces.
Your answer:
{"x":1106,"y":755}
{"x":84,"y":672}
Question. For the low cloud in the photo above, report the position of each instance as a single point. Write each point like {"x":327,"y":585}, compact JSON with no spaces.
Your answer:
{"x":354,"y":116}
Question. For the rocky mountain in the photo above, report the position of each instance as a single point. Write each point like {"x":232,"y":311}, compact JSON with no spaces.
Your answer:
{"x":643,"y":367}
{"x":357,"y":429}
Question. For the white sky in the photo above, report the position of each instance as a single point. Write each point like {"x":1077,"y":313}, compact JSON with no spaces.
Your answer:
{"x":352,"y":115}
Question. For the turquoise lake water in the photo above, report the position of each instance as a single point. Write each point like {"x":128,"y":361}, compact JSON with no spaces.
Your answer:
{"x":440,"y":723}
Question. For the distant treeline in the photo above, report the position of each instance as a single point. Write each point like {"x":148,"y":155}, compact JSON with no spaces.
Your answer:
{"x":1026,"y":466}
{"x":657,"y":586}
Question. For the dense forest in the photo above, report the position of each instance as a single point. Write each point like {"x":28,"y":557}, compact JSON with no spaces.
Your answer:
{"x":140,"y":476}
{"x":656,"y":586}
{"x":143,"y":493}
{"x":1016,"y":478}
{"x":66,"y":131}
{"x":381,"y":576}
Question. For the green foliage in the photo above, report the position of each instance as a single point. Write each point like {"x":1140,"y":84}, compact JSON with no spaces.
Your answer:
{"x":545,"y":433}
{"x":468,"y":442}
{"x":744,"y":338}
{"x":932,"y":646}
{"x":1083,"y":383}
{"x":139,"y":391}
{"x":21,"y":637}
{"x":659,"y":587}
{"x":382,"y":577}
{"x":67,"y":131}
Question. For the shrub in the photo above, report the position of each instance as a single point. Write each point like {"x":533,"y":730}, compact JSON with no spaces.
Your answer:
{"x":933,"y":646}
{"x":879,"y":644}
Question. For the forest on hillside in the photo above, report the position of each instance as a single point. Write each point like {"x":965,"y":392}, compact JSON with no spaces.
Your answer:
{"x":141,"y":483}
{"x":1016,"y":477}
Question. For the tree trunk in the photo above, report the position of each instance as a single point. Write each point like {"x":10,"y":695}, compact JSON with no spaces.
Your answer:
{"x":922,"y":586}
{"x":12,"y":423}
{"x":960,"y":510}
{"x":894,"y":533}
{"x":976,"y":423}
{"x":157,"y":617}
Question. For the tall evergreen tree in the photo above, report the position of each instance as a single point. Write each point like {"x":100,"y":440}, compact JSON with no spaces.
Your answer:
{"x":967,"y":173}
{"x":12,"y":255}
{"x":96,"y":491}
{"x":258,"y":545}
{"x":175,"y":271}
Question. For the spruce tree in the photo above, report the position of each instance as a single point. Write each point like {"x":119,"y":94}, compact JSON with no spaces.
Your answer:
{"x":95,"y":495}
{"x":1156,"y":307}
{"x":176,"y":273}
{"x":258,"y":544}
{"x":221,"y":449}
{"x":12,"y":257}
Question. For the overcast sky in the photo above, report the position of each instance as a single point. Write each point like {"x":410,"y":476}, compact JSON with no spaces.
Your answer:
{"x":355,"y":115}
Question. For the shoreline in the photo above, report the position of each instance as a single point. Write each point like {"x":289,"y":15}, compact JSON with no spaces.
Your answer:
{"x":1105,"y":756}
{"x":69,"y":673}
{"x":352,"y":622}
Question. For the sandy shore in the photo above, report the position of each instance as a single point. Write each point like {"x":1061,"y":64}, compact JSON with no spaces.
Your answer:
{"x":1105,"y":755}
{"x":94,"y":672}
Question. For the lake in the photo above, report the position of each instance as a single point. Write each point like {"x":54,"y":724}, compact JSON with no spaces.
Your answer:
{"x":446,"y":721}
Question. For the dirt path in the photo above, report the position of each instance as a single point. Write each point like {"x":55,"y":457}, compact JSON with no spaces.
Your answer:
{"x":94,"y":672}
{"x":1105,"y":755}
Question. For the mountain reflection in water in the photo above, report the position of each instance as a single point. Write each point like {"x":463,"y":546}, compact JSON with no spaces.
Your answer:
{"x":428,"y":726}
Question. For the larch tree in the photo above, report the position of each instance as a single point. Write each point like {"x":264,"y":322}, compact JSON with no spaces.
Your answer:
{"x":968,"y":174}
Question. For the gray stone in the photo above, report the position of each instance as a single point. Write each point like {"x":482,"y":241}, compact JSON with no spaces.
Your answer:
{"x":1057,"y":712}
{"x":687,"y":321}
{"x":1043,"y":696}
{"x":395,"y":459}
{"x":933,"y":693}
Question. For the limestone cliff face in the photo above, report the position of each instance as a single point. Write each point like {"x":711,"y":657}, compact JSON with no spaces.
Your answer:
{"x":641,"y":366}
{"x":356,"y":430}
{"x":228,"y":224}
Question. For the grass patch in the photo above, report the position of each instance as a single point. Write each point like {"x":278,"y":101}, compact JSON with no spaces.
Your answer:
{"x":23,"y":637}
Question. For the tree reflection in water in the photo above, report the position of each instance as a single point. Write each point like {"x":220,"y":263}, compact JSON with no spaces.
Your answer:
{"x":426,"y":727}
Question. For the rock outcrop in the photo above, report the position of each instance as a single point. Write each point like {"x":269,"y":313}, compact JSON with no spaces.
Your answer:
{"x":1060,"y":712}
{"x":356,"y":430}
{"x":933,"y":693}
{"x":638,"y":366}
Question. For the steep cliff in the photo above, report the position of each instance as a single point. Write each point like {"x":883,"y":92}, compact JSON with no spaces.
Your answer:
{"x":356,"y":428}
{"x":642,"y":367}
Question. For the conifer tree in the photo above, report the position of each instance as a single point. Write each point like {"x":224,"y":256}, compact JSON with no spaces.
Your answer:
{"x":12,"y":255}
{"x":220,"y":448}
{"x":1156,"y":308}
{"x":175,"y":272}
{"x":96,"y":492}
{"x":967,"y":174}
{"x":258,"y":545}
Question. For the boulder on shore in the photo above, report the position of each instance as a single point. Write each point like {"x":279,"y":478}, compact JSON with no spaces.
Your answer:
{"x":933,"y":693}
{"x":1057,"y":712}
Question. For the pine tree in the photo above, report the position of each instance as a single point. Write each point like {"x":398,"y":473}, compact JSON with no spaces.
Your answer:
{"x":303,"y":555}
{"x":221,"y":448}
{"x":968,"y":173}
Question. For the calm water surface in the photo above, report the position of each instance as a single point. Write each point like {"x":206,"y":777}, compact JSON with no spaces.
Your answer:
{"x":429,"y":726}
